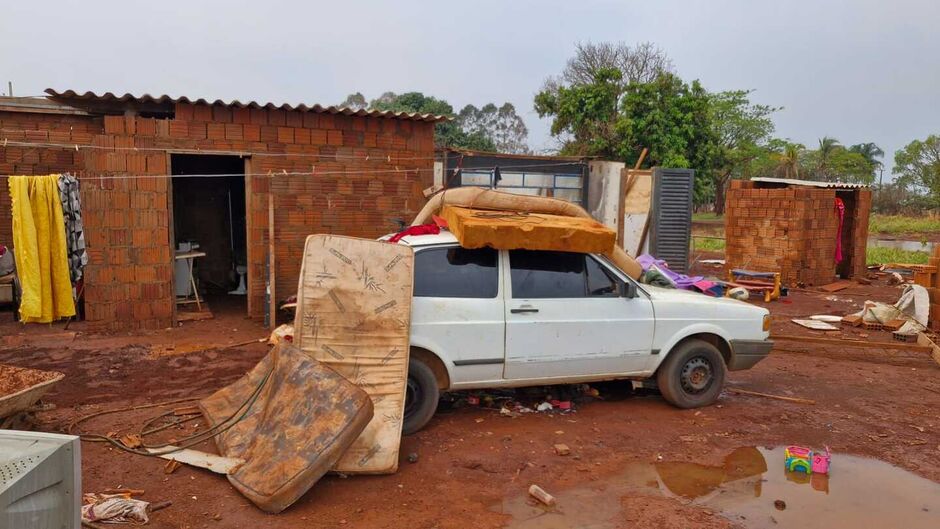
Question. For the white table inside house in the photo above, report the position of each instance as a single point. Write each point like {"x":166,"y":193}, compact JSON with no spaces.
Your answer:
{"x":189,"y":257}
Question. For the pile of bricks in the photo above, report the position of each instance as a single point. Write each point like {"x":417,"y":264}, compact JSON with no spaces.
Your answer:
{"x":929,"y":278}
{"x":373,"y":169}
{"x":793,"y":230}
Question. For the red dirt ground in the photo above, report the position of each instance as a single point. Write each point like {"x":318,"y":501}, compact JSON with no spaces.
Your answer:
{"x":869,"y":402}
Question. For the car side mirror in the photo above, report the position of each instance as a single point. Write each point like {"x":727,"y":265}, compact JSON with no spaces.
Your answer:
{"x":628,"y":290}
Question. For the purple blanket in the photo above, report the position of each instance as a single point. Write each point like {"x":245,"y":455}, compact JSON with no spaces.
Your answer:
{"x":680,"y":280}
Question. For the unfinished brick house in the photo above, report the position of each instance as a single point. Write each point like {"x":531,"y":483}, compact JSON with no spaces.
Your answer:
{"x":157,"y":170}
{"x":791,"y":227}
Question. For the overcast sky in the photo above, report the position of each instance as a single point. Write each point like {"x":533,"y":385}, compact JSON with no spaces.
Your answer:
{"x":862,"y":70}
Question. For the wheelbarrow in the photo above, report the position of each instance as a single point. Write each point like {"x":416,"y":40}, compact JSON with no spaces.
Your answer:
{"x":20,"y":390}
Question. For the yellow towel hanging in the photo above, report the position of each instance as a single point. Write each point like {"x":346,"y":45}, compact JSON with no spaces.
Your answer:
{"x":40,"y":249}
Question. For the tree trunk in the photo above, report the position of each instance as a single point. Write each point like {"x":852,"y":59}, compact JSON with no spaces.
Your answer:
{"x":721,"y":186}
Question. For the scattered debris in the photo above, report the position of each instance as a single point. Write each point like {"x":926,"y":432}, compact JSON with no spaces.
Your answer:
{"x":828,"y":318}
{"x":780,"y":505}
{"x":171,"y":466}
{"x":413,"y":457}
{"x":815,"y":325}
{"x":544,"y":406}
{"x":562,"y":449}
{"x":538,"y":493}
{"x":114,"y":508}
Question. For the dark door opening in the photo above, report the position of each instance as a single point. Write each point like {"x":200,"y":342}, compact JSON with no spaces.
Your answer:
{"x":209,"y":218}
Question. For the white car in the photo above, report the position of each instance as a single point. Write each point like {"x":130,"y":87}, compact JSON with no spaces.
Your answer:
{"x":489,"y":318}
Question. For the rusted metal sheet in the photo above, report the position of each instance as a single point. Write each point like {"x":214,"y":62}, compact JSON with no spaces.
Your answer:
{"x":304,"y":418}
{"x":354,"y":314}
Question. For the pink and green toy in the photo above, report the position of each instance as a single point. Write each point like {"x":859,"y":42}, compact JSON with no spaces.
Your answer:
{"x":801,"y":459}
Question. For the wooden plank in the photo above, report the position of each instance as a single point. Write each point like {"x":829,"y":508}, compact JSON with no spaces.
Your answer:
{"x":852,"y":343}
{"x":769,"y":396}
{"x":924,"y":340}
{"x":837,"y":286}
{"x":272,"y":299}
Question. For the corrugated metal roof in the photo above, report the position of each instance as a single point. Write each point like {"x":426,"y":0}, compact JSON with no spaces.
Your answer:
{"x":69,"y":96}
{"x":808,"y":183}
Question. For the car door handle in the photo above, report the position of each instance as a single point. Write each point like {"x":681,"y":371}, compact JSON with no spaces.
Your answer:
{"x":523,"y":310}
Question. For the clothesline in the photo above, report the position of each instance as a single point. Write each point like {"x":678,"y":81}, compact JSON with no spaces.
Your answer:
{"x":275,"y":174}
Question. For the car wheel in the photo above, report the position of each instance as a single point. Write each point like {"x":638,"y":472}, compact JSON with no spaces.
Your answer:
{"x":421,"y":396}
{"x":692,"y":375}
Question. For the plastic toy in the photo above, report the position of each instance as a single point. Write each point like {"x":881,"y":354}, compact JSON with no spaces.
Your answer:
{"x":801,"y":459}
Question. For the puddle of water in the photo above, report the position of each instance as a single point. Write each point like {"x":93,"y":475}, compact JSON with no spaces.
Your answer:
{"x":911,"y":246}
{"x":858,"y":492}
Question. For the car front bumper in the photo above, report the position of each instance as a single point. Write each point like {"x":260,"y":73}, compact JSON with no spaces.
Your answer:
{"x":746,"y":353}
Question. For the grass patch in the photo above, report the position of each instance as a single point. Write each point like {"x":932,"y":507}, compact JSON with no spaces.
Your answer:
{"x":705,"y":215}
{"x":902,"y":224}
{"x":709,"y":245}
{"x":882,"y":255}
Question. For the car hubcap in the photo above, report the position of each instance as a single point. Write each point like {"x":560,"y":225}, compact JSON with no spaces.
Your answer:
{"x":696,"y":376}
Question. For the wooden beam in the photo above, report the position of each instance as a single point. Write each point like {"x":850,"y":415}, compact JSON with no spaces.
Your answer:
{"x":851,"y":343}
{"x":639,"y":161}
{"x":924,"y":340}
{"x":272,"y":299}
{"x":769,"y":396}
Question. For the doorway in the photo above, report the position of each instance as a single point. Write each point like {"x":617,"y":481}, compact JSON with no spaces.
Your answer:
{"x":209,"y":218}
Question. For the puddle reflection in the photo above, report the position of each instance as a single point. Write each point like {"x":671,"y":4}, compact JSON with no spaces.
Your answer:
{"x":858,"y":492}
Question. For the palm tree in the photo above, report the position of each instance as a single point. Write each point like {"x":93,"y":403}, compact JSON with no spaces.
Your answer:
{"x":788,"y":161}
{"x":870,"y":152}
{"x":827,"y":146}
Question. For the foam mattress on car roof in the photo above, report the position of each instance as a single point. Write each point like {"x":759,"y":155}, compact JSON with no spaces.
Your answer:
{"x":514,"y":230}
{"x":354,"y":314}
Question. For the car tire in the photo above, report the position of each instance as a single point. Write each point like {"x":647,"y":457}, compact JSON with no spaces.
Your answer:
{"x":421,"y":396}
{"x":692,"y":375}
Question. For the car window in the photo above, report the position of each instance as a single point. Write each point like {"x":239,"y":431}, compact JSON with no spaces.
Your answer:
{"x":600,"y":281}
{"x":456,"y":273}
{"x":538,"y":274}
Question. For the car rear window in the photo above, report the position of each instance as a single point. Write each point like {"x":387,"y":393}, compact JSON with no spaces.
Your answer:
{"x":456,"y":273}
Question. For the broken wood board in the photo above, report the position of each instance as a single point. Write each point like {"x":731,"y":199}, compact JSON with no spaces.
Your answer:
{"x":798,"y":400}
{"x":815,"y":325}
{"x":204,"y":314}
{"x":636,"y":209}
{"x":195,"y":458}
{"x":837,"y":286}
{"x":354,"y":315}
{"x":513,"y":230}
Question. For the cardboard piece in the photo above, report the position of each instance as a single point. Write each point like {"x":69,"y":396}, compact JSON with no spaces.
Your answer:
{"x":354,"y":315}
{"x":513,"y":230}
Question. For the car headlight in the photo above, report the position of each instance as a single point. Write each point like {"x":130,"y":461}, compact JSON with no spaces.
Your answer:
{"x":766,"y":322}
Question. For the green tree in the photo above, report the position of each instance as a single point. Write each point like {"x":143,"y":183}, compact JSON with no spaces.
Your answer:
{"x":788,"y":160}
{"x":447,"y":133}
{"x":742,"y":130}
{"x":667,"y":116}
{"x":918,"y":165}
{"x":870,"y":151}
{"x":500,"y":124}
{"x":355,"y":101}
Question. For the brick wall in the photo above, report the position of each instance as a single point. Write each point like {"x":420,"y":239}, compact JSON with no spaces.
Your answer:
{"x":127,"y":221}
{"x":793,"y":230}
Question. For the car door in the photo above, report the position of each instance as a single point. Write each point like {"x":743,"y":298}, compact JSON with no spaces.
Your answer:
{"x":567,"y":315}
{"x":457,"y":310}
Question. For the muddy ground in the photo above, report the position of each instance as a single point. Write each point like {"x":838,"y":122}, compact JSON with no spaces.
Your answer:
{"x":473,"y":462}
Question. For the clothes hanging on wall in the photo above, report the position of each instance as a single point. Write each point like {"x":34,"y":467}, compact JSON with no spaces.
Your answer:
{"x":74,"y":228}
{"x":40,"y":249}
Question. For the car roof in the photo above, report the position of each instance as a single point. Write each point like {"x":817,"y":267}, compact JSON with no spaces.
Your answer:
{"x":444,"y":237}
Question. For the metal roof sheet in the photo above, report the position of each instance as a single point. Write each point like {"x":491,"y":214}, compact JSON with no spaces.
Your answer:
{"x":108,"y":97}
{"x":808,"y":183}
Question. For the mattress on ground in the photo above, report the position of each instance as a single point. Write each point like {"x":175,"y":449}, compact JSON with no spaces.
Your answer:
{"x":300,"y":424}
{"x":513,"y":230}
{"x":354,"y":314}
